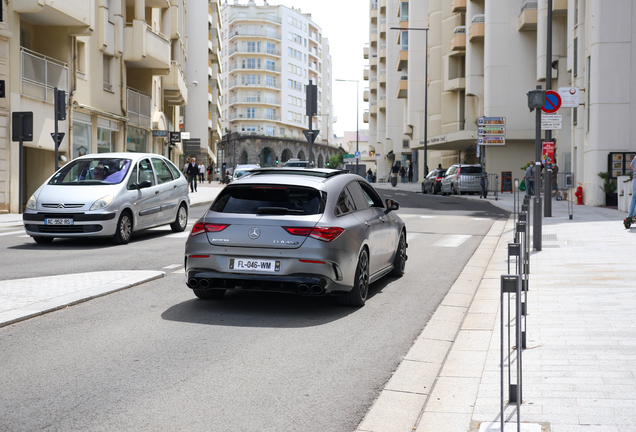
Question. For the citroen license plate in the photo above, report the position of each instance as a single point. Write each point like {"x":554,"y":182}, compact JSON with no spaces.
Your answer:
{"x":58,"y":221}
{"x":254,"y":264}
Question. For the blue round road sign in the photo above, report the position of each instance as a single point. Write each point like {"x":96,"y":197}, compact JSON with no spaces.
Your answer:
{"x":552,"y":102}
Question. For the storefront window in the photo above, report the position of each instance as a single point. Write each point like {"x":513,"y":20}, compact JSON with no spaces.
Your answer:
{"x":106,"y":135}
{"x":136,"y":141}
{"x":82,"y":132}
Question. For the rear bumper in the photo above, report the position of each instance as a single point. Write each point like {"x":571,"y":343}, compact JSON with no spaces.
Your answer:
{"x":303,"y":284}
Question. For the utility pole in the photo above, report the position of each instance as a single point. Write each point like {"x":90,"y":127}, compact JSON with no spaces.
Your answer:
{"x":547,"y":209}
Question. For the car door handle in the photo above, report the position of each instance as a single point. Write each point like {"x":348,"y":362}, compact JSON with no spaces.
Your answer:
{"x":156,"y":192}
{"x":175,"y":186}
{"x":367,"y":224}
{"x":382,"y":219}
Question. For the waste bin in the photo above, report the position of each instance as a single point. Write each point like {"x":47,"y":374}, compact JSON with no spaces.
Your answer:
{"x":394,"y":180}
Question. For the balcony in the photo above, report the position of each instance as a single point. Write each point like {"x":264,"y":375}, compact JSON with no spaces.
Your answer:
{"x":139,"y":108}
{"x":235,"y":51}
{"x":365,"y":74}
{"x":458,"y":43}
{"x":383,"y":52}
{"x":373,"y":85}
{"x":146,"y":48}
{"x":41,"y":74}
{"x":255,"y":17}
{"x":383,"y":27}
{"x":256,"y":116}
{"x":174,"y":86}
{"x":265,"y":84}
{"x":365,"y":116}
{"x":527,"y":20}
{"x":366,"y":52}
{"x":403,"y":87}
{"x":254,"y":100}
{"x":476,"y":31}
{"x":373,"y":108}
{"x":559,"y":7}
{"x":382,"y":6}
{"x":382,"y":78}
{"x":59,"y":13}
{"x":365,"y":95}
{"x":373,"y":62}
{"x":255,"y":33}
{"x":374,"y":15}
{"x":458,"y":6}
{"x":403,"y":60}
{"x":382,"y":103}
{"x":374,"y":38}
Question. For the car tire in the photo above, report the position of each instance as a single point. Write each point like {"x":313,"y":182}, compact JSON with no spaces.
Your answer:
{"x":424,"y":189}
{"x":209,"y":294}
{"x":433,"y":189}
{"x":399,"y":262}
{"x":124,"y":229}
{"x":42,"y":240}
{"x":181,"y":221}
{"x":453,"y":191}
{"x":358,"y":294}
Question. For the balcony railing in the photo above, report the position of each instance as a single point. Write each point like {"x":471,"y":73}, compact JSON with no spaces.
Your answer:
{"x":263,"y":33}
{"x":273,"y":52}
{"x":41,"y":74}
{"x":242,"y":16}
{"x":265,"y":68}
{"x":139,"y":108}
{"x":256,"y":116}
{"x":254,"y":99}
{"x":236,"y":82}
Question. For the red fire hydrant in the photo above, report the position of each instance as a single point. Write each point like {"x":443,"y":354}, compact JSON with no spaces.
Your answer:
{"x":579,"y":195}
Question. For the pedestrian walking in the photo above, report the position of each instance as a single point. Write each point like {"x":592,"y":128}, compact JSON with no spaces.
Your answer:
{"x":210,"y":171}
{"x":530,"y":174}
{"x":201,"y":172}
{"x":402,"y":173}
{"x":394,"y":174}
{"x":369,"y":175}
{"x":410,"y":172}
{"x":192,"y":171}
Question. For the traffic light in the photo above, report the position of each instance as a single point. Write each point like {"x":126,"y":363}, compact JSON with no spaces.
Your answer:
{"x":276,"y":161}
{"x":60,"y":105}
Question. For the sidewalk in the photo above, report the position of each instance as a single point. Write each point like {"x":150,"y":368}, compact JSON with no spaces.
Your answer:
{"x":25,"y":298}
{"x":579,"y":368}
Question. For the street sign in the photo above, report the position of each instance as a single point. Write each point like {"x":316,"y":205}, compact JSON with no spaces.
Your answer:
{"x":547,"y":151}
{"x":491,"y":140}
{"x":348,"y":156}
{"x":551,"y":126}
{"x":569,"y":97}
{"x":357,"y":154}
{"x":491,"y":130}
{"x":552,"y":102}
{"x":311,"y":135}
{"x":57,"y":139}
{"x":551,"y":118}
{"x":491,"y":121}
{"x":175,"y":137}
{"x":185,"y":135}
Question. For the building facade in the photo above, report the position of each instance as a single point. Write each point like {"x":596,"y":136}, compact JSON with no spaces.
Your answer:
{"x":483,"y":57}
{"x":270,"y":54}
{"x":121,"y":66}
{"x":202,"y":120}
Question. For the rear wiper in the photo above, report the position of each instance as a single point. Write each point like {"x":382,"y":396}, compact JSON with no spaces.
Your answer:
{"x":277,"y":210}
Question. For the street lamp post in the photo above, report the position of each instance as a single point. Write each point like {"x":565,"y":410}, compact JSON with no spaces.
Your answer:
{"x":425,"y":29}
{"x":357,"y":117}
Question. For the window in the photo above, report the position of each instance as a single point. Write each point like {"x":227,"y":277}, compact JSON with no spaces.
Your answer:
{"x":136,"y":139}
{"x":108,"y":86}
{"x":271,"y":48}
{"x":404,"y":39}
{"x":270,"y":81}
{"x":82,"y":134}
{"x":404,"y":11}
{"x":145,"y":172}
{"x":163,"y":172}
{"x":250,"y":129}
{"x":247,"y":200}
{"x":82,"y":64}
{"x":345,"y":204}
{"x":251,"y":113}
{"x":270,"y":114}
{"x":271,"y":130}
{"x":106,"y":135}
{"x":271,"y":66}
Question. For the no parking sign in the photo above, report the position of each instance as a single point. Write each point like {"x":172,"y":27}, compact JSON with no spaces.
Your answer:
{"x":552,"y":102}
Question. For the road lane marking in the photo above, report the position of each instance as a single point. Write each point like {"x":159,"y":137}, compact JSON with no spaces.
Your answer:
{"x":182,"y":271}
{"x":12,"y":233}
{"x":452,"y":240}
{"x":427,"y":217}
{"x":171,"y":266}
{"x":412,"y":236}
{"x":397,"y":193}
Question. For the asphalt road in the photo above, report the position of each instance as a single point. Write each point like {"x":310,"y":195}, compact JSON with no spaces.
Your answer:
{"x":154,"y":357}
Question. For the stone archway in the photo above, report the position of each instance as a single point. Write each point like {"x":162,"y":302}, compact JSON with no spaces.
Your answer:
{"x":267,"y":158}
{"x":301,"y":155}
{"x":321,"y":161}
{"x":243,"y":158}
{"x":286,"y":155}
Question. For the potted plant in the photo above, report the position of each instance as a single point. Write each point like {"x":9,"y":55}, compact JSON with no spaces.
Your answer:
{"x":609,"y":187}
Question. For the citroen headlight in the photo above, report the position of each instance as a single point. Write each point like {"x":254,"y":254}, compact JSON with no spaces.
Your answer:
{"x":31,"y":203}
{"x":102,"y":203}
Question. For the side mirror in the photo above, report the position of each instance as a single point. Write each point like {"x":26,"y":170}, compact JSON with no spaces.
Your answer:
{"x":144,"y":184}
{"x":392,"y":205}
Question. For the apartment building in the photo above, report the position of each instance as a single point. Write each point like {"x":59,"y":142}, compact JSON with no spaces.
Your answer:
{"x":121,"y":65}
{"x":483,"y":57}
{"x":270,"y":54}
{"x":203,"y":111}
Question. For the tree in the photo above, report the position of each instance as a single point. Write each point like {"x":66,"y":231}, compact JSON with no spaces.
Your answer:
{"x":336,"y":161}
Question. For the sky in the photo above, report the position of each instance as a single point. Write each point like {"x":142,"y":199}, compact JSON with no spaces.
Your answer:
{"x":346,"y":24}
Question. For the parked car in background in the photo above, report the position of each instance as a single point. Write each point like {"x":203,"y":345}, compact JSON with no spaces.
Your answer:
{"x":242,"y":170}
{"x":311,"y":232}
{"x":433,"y":181}
{"x":462,"y":179}
{"x":108,"y":195}
{"x":298,"y":163}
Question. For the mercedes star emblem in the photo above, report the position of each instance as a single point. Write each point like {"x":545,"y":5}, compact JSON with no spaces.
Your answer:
{"x":254,"y":233}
